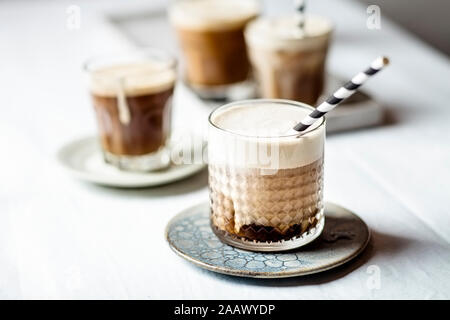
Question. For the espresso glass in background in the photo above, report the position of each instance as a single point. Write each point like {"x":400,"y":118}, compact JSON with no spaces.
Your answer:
{"x":289,"y":64}
{"x":266,"y":207}
{"x":132,"y":96}
{"x":211,"y":38}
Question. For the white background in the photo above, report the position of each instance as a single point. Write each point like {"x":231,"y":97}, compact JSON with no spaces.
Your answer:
{"x":62,"y":238}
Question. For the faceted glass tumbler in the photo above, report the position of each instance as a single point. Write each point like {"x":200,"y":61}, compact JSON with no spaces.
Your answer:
{"x":266,"y":210}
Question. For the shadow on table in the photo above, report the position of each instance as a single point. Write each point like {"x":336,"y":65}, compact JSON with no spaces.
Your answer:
{"x":380,"y":245}
{"x":193,"y":183}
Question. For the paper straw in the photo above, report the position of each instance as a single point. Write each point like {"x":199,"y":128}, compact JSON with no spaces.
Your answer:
{"x":122,"y":105}
{"x":343,"y":93}
{"x":299,"y":6}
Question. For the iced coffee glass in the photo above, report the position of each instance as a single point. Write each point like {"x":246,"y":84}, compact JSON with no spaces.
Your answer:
{"x":211,"y":37}
{"x":289,"y":63}
{"x":132,"y":96}
{"x":266,"y":182}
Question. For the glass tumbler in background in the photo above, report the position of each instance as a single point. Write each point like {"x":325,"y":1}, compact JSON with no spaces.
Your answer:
{"x":289,"y":63}
{"x":266,"y":191}
{"x":211,"y":38}
{"x":132,"y":97}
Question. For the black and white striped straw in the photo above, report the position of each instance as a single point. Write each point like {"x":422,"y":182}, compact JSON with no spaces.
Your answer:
{"x":299,"y":6}
{"x":343,"y":93}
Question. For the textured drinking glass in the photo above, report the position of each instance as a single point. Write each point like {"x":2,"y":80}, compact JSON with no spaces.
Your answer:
{"x":132,"y":97}
{"x":270,"y":202}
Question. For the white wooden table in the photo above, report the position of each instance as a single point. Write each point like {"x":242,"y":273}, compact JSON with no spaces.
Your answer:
{"x":62,"y":238}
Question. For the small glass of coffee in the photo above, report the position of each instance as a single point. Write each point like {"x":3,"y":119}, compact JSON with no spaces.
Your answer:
{"x":265,"y":183}
{"x":289,"y":62}
{"x":211,"y":37}
{"x":132,"y":96}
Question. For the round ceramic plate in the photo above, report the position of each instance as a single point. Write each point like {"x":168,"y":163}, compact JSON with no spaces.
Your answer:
{"x":345,"y":236}
{"x":83,"y":159}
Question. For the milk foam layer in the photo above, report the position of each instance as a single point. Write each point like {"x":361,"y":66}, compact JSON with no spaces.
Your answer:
{"x":242,"y":130}
{"x":213,"y":14}
{"x":135,"y":79}
{"x":283,"y":32}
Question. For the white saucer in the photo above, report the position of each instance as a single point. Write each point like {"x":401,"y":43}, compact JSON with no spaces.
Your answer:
{"x":84,"y":160}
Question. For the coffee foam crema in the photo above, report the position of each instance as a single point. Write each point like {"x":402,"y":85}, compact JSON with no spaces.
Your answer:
{"x":284,"y":33}
{"x":213,"y":14}
{"x":259,"y":135}
{"x":132,"y":79}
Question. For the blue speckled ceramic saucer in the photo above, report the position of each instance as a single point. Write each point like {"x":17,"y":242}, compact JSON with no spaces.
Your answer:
{"x":345,"y":236}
